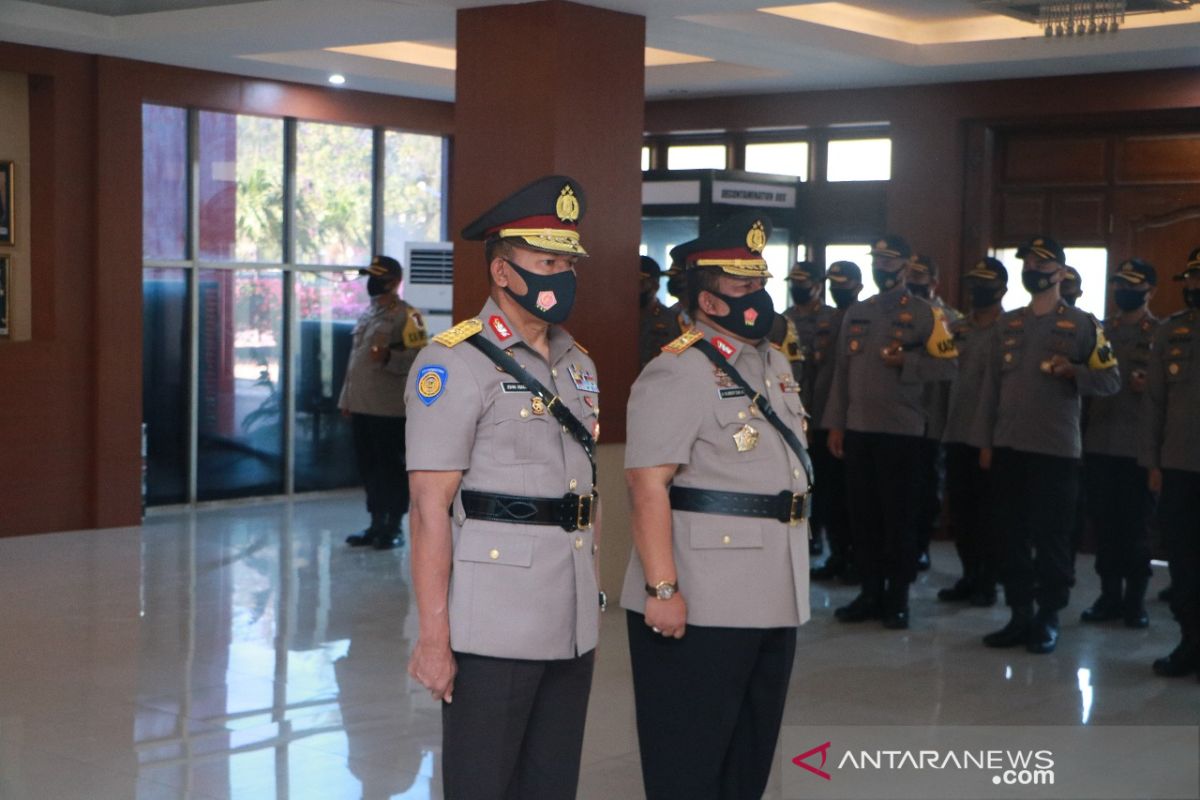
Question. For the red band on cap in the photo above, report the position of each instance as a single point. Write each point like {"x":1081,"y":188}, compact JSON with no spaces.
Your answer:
{"x":542,"y":221}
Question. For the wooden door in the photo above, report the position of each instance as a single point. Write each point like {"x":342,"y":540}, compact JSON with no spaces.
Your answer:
{"x":1160,"y":225}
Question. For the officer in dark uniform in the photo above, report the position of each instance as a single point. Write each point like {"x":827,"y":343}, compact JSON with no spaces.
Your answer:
{"x":503,"y":413}
{"x":718,"y":580}
{"x":658,"y":325}
{"x":812,"y":321}
{"x":1072,"y":286}
{"x":967,"y":485}
{"x":923,"y":283}
{"x":831,"y":509}
{"x":889,"y":347}
{"x":1119,"y":501}
{"x":387,"y":339}
{"x":1045,"y":357}
{"x":1171,"y":451}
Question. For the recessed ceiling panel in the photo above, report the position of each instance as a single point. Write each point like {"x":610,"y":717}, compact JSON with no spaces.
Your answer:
{"x":125,"y":8}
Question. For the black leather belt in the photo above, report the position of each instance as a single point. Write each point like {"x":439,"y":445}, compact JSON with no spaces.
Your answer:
{"x":786,"y":507}
{"x":571,"y":512}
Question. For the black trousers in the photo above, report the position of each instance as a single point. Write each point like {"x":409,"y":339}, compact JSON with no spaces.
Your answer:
{"x":709,"y":708}
{"x":1033,"y":497}
{"x":1179,"y":514}
{"x":515,"y":728}
{"x":969,"y":500}
{"x":883,"y":480}
{"x":929,"y":498}
{"x":831,"y":509}
{"x":379,"y":449}
{"x":1119,"y":504}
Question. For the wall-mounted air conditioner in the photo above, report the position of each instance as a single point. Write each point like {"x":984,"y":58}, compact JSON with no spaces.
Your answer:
{"x":429,"y":286}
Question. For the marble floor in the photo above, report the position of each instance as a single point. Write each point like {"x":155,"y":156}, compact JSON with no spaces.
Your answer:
{"x":245,"y":652}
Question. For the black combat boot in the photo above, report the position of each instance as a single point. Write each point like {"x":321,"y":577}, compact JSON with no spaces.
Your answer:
{"x":1133,"y":606}
{"x":1016,"y":632}
{"x":367,"y":535}
{"x":388,"y":536}
{"x":1043,"y":632}
{"x":868,"y":604}
{"x":895,"y":606}
{"x":1108,"y":605}
{"x":1185,"y":658}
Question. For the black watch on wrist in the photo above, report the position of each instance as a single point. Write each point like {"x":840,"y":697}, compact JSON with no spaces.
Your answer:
{"x":663,"y":590}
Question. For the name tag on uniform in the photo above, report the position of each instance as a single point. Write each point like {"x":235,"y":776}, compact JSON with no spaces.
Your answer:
{"x":735,"y":391}
{"x":510,"y":387}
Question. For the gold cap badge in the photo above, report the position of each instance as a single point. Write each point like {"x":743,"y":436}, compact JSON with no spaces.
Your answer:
{"x":756,"y":238}
{"x":567,"y":206}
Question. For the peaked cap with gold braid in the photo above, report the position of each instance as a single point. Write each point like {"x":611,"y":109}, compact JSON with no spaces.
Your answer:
{"x":736,"y":246}
{"x":543,"y":215}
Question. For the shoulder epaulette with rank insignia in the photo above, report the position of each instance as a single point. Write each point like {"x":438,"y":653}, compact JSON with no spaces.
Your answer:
{"x":683,"y":342}
{"x":459,"y":333}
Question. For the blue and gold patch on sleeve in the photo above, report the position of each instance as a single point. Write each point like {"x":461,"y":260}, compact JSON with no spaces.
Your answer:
{"x":431,"y":382}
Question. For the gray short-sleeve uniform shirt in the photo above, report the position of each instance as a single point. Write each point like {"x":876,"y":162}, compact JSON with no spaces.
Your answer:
{"x":1170,"y":436}
{"x":732,"y":571}
{"x":1112,"y":422}
{"x":377,"y":387}
{"x":516,"y":590}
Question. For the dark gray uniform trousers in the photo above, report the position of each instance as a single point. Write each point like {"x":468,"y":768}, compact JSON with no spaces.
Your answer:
{"x":515,"y":728}
{"x":1179,"y":514}
{"x":709,"y":708}
{"x":883,"y":473}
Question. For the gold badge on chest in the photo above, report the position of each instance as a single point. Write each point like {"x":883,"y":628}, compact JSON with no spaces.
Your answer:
{"x":539,"y":406}
{"x":746,"y":439}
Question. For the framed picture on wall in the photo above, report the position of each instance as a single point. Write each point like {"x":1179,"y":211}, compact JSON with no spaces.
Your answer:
{"x":4,"y":264}
{"x":7,"y":217}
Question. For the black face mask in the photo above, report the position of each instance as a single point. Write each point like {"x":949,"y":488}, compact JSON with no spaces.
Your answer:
{"x":1036,"y":282}
{"x":750,"y":316}
{"x":982,"y":297}
{"x":547,"y":297}
{"x":379,"y":285}
{"x":1071,"y":299}
{"x":1192,"y":298}
{"x":922,"y":290}
{"x":801,"y":295}
{"x":843,"y":297}
{"x":1129,"y":299}
{"x":886,"y":280}
{"x":675,"y":286}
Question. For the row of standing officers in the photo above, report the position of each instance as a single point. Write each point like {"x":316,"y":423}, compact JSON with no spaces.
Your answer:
{"x":502,"y":416}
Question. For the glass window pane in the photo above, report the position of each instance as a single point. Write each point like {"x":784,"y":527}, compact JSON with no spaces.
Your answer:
{"x":779,"y":262}
{"x":1092,"y":263}
{"x":241,"y":188}
{"x":165,"y":384}
{"x":164,"y":182}
{"x":659,"y":235}
{"x":858,"y":254}
{"x":859,"y":160}
{"x":240,"y":393}
{"x":645,"y":158}
{"x":778,"y":158}
{"x":413,"y":190}
{"x":333,"y":194}
{"x":328,"y":304}
{"x":696,"y":156}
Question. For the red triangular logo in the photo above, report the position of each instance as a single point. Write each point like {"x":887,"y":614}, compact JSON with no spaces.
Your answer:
{"x":823,"y":749}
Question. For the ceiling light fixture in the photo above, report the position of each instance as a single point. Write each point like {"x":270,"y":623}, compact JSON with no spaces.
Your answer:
{"x":337,"y":79}
{"x":1063,"y":18}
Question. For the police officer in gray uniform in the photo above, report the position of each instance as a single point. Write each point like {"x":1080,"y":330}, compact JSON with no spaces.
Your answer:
{"x":502,"y":418}
{"x":718,"y":579}
{"x":1171,"y":451}
{"x":1072,"y":286}
{"x":889,"y":347}
{"x":1119,"y":501}
{"x":1045,"y":357}
{"x":923,"y":283}
{"x":387,"y":339}
{"x":967,"y":485}
{"x":831,"y":507}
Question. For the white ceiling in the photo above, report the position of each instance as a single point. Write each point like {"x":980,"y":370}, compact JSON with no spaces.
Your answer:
{"x":896,"y":42}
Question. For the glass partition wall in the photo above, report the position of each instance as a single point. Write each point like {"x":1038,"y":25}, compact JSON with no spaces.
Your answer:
{"x":253,"y":230}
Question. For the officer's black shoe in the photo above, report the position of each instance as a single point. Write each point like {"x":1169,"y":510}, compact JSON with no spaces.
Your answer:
{"x":1182,"y":661}
{"x":1133,"y":605}
{"x":868,"y":605}
{"x":389,"y":536}
{"x":1106,"y":608}
{"x":982,"y":597}
{"x":957,"y":593}
{"x":895,"y":607}
{"x":1016,"y":632}
{"x":923,"y":562}
{"x":1043,"y":633}
{"x":366,"y":536}
{"x":832,"y":568}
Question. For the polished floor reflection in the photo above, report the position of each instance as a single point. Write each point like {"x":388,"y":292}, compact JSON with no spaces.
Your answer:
{"x":246,"y":653}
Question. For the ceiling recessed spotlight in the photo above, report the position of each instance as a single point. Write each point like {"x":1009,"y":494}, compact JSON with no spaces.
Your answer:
{"x":337,"y":79}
